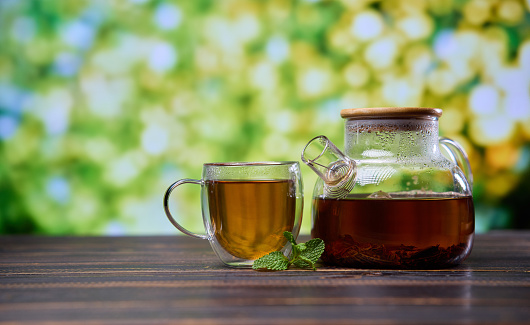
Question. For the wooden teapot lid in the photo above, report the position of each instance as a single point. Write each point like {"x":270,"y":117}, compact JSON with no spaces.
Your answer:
{"x":390,"y":112}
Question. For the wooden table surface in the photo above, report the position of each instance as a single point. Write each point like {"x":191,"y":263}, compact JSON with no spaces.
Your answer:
{"x":158,"y":280}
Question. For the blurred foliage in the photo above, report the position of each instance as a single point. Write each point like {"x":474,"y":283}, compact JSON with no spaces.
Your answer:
{"x":103,"y":104}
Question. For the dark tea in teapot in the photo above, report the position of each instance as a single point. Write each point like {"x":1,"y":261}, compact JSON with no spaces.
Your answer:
{"x":401,"y":232}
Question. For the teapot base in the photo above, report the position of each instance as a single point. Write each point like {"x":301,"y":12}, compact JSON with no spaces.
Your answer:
{"x":346,"y":252}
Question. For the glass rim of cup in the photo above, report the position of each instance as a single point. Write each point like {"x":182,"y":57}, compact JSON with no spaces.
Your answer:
{"x":250,"y":163}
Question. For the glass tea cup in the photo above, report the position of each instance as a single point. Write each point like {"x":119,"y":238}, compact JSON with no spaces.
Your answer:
{"x":246,"y":207}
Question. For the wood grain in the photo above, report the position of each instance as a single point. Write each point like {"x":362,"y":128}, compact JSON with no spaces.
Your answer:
{"x":164,"y":280}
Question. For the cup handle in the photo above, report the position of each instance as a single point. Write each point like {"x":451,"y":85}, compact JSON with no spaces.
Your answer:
{"x":458,"y":156}
{"x":168,"y":213}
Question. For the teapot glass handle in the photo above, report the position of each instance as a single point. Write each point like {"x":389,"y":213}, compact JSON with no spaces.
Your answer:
{"x":458,"y":156}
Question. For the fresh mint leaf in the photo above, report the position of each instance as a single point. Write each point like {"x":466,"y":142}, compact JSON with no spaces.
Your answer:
{"x":290,"y":237}
{"x":302,"y":247}
{"x":295,"y":252}
{"x":314,"y":249}
{"x":274,"y":261}
{"x":303,"y":262}
{"x":303,"y":255}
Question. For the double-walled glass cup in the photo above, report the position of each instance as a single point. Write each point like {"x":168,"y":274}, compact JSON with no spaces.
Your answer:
{"x":246,"y":208}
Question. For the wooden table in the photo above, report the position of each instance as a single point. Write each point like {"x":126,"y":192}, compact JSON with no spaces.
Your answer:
{"x":157,"y":280}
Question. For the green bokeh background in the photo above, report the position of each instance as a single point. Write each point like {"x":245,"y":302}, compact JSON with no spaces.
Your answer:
{"x":103,"y":104}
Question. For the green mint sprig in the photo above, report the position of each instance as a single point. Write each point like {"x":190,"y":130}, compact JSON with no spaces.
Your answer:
{"x":302,"y":255}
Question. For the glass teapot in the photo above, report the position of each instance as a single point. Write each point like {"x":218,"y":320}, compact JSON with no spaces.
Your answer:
{"x":392,"y":199}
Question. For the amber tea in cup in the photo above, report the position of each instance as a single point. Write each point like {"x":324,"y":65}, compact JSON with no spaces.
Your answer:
{"x":249,"y":217}
{"x":246,"y":208}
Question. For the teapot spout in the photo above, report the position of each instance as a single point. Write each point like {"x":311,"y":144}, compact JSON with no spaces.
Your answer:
{"x":336,"y":170}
